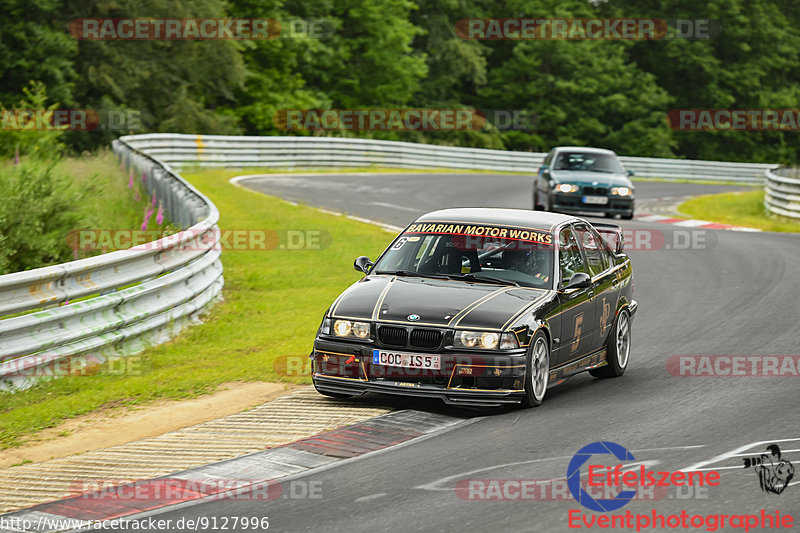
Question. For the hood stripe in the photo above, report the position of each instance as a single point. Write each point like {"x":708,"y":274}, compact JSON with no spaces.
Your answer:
{"x":379,"y":303}
{"x":474,"y":305}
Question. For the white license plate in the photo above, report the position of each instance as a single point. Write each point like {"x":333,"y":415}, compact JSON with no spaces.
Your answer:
{"x":406,"y":360}
{"x":596,"y":200}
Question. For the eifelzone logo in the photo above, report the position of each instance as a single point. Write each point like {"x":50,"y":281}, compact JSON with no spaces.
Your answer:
{"x":774,"y":473}
{"x":630,"y":477}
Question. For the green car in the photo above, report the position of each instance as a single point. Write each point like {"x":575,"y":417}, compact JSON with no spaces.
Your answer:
{"x":586,"y":180}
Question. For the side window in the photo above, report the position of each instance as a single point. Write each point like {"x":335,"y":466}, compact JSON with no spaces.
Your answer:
{"x":570,"y":259}
{"x":548,"y":158}
{"x":595,"y":254}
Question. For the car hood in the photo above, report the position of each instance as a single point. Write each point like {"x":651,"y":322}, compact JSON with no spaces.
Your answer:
{"x":437,"y":302}
{"x":583,"y":177}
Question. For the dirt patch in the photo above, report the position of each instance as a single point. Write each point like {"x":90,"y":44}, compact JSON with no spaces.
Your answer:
{"x":110,"y":427}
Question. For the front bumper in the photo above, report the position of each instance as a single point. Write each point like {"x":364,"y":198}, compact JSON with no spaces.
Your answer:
{"x":574,"y":202}
{"x":476,"y":379}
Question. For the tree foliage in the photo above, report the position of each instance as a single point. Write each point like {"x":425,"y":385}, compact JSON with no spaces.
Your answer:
{"x":380,"y":54}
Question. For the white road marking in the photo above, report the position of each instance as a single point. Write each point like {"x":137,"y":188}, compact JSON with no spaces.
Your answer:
{"x":732,"y":453}
{"x":387,"y":227}
{"x":692,"y":223}
{"x":739,"y":228}
{"x":715,"y":468}
{"x":435,"y":485}
{"x":370,"y":497}
{"x":784,"y":452}
{"x":394,"y":206}
{"x":652,"y":218}
{"x":689,"y":447}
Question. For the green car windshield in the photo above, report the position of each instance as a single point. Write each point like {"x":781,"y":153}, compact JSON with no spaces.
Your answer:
{"x":587,"y":161}
{"x":500,"y":255}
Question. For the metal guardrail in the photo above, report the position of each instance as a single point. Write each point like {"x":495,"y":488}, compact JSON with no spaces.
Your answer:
{"x":782,"y":192}
{"x":133,"y":298}
{"x":308,"y":152}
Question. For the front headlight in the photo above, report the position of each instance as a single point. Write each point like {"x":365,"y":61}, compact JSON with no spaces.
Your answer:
{"x":622,"y":191}
{"x":566,"y":187}
{"x":347,"y":328}
{"x":485,"y":340}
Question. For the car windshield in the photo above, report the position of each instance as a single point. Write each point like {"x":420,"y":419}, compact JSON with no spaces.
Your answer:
{"x":479,"y":253}
{"x":588,"y":161}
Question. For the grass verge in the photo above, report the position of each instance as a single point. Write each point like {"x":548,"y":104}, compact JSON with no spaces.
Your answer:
{"x":274,"y":301}
{"x":738,"y":208}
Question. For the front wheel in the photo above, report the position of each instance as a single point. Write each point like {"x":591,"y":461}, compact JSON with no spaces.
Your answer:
{"x":536,"y":206}
{"x":618,"y":348}
{"x":628,"y":216}
{"x":537,"y":372}
{"x":548,"y":204}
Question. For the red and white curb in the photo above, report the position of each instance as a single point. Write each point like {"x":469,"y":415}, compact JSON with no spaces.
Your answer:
{"x":255,"y":476}
{"x":690,"y":223}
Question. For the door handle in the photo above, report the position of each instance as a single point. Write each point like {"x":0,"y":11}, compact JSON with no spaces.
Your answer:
{"x":591,"y":295}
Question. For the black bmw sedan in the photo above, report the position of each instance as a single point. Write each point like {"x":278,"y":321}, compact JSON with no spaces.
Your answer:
{"x":481,"y":307}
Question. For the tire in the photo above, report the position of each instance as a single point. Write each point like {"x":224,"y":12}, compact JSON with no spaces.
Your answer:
{"x":618,"y":348}
{"x":549,"y":204}
{"x":536,"y":206}
{"x":628,"y":216}
{"x":537,"y":371}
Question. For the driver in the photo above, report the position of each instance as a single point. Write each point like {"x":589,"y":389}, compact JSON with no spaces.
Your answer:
{"x":535,"y":263}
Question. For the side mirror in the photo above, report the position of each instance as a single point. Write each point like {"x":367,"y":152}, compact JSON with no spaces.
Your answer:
{"x":544,"y":168}
{"x":363,"y":264}
{"x":579,"y":280}
{"x":630,"y":173}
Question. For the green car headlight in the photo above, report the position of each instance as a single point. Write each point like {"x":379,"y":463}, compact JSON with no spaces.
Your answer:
{"x":621,"y":191}
{"x":566,"y":187}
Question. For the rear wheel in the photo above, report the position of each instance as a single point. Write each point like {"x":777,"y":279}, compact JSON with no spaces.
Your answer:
{"x":618,"y":348}
{"x":538,"y":371}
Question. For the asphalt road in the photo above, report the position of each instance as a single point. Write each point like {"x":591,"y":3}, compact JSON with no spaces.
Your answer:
{"x":399,"y":198}
{"x":729,"y":294}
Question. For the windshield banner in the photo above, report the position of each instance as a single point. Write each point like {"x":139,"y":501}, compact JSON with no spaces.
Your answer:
{"x":538,"y":236}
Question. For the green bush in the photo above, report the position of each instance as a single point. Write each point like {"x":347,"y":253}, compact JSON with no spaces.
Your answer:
{"x":38,"y":208}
